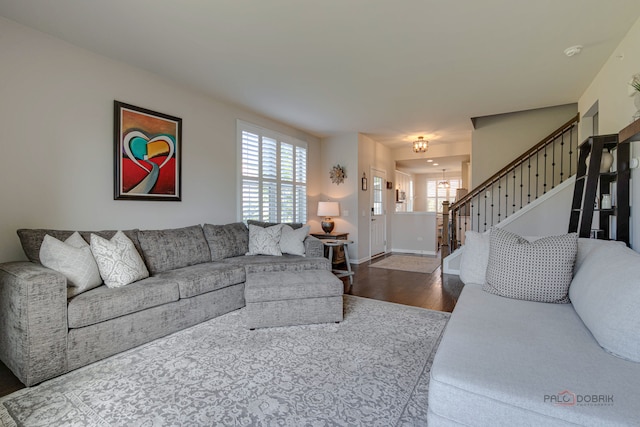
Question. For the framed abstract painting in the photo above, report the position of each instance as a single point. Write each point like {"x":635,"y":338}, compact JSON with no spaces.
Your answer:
{"x":147,"y":154}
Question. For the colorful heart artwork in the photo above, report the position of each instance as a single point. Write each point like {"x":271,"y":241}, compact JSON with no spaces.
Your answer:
{"x":148,"y":154}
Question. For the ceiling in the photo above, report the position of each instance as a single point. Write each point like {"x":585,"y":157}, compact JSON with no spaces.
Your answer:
{"x":390,"y":69}
{"x":435,"y":166}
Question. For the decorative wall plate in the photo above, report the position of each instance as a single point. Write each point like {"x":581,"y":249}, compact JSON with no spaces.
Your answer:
{"x":337,"y":174}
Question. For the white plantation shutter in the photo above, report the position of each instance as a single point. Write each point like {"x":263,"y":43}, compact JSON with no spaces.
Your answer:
{"x":273,"y":175}
{"x":436,"y":195}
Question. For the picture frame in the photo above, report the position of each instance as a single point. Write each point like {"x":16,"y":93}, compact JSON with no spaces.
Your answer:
{"x":147,"y":157}
{"x":389,"y":185}
{"x":364,"y":183}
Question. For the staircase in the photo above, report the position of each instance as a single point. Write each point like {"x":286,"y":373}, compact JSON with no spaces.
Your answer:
{"x":540,"y":169}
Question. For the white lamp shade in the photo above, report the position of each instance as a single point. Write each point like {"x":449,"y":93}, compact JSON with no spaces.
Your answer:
{"x":328,"y":209}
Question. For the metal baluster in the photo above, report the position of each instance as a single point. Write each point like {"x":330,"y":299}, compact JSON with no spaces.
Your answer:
{"x":570,"y":149}
{"x":529,"y":185}
{"x":544,"y":180}
{"x":499,"y":196}
{"x":485,"y":209}
{"x":553,"y":163}
{"x":562,"y":158}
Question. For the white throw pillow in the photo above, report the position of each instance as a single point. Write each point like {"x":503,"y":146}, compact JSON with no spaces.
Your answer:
{"x":118,"y":260}
{"x":291,"y":241}
{"x":265,"y":241}
{"x":72,"y":258}
{"x":475,"y":257}
{"x":533,"y":271}
{"x":605,"y":293}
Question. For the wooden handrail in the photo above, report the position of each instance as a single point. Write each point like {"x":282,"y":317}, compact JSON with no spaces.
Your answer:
{"x":496,"y":176}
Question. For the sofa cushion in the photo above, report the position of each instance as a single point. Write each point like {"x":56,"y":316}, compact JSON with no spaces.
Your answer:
{"x":174,"y":248}
{"x":605,"y":293}
{"x":201,"y":278}
{"x":264,"y":263}
{"x":226,"y":241}
{"x":535,"y":271}
{"x":31,"y":239}
{"x":291,"y":285}
{"x":505,"y":362}
{"x":103,"y":303}
{"x":475,"y":257}
{"x":118,"y":261}
{"x":292,"y":241}
{"x":74,"y":259}
{"x":264,"y":241}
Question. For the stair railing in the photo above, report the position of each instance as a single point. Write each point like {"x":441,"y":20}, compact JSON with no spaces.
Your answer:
{"x":538,"y":170}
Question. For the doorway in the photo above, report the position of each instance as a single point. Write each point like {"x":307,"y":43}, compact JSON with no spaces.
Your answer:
{"x":378,"y":222}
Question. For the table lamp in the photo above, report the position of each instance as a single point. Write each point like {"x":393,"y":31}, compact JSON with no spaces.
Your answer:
{"x":328,"y":210}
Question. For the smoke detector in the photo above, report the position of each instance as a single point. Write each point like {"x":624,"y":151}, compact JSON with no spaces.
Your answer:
{"x":573,"y":50}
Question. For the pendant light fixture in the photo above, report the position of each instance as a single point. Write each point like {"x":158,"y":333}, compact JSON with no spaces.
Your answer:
{"x":420,"y":145}
{"x":444,"y":183}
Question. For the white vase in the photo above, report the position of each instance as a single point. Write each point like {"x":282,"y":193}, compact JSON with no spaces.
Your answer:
{"x":605,"y":162}
{"x":606,"y":201}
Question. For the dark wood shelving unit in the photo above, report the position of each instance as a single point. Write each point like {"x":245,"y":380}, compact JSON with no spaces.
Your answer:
{"x":591,"y":184}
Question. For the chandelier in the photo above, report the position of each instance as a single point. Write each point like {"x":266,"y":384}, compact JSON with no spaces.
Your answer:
{"x":444,"y":183}
{"x":420,"y":145}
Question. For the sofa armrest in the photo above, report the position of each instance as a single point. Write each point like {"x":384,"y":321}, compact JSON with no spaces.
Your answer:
{"x":33,"y":321}
{"x":313,"y":247}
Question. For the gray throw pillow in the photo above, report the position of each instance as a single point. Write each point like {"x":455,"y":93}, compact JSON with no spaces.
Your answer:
{"x":227,"y":241}
{"x":534,"y":271}
{"x":292,"y":241}
{"x":605,"y":293}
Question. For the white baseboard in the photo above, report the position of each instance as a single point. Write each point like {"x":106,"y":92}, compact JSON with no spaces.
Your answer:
{"x":414,"y":251}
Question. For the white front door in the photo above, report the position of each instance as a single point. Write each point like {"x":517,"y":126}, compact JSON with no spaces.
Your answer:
{"x":378,"y":229}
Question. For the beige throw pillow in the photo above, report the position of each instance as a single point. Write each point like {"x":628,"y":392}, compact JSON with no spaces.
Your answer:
{"x":72,"y":258}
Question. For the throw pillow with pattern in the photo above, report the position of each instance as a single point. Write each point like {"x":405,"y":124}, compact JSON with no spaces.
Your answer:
{"x":118,"y":260}
{"x":534,"y":271}
{"x":264,"y":241}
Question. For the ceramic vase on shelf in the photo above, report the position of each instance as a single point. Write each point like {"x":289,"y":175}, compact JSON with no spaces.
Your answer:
{"x":606,"y":201}
{"x":605,"y":162}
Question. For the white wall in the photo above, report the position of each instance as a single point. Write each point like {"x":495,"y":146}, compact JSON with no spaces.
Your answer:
{"x":610,"y":89}
{"x":342,"y":150}
{"x":415,"y":232}
{"x":56,"y":131}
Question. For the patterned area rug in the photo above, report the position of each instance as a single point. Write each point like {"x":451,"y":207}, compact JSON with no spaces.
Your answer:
{"x":416,"y":264}
{"x":371,"y":369}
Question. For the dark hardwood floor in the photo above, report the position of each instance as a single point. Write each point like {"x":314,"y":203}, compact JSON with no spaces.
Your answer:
{"x":434,"y":291}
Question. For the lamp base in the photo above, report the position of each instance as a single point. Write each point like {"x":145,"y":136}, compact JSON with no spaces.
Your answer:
{"x":327,"y":225}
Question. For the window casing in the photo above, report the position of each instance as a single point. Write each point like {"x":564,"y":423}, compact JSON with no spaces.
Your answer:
{"x":273,"y":175}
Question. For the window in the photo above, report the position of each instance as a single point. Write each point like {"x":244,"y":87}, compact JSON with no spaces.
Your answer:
{"x":273,"y":175}
{"x":377,"y":195}
{"x":437,"y":195}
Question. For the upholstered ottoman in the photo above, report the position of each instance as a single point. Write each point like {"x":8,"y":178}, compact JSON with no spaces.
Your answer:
{"x":287,"y":298}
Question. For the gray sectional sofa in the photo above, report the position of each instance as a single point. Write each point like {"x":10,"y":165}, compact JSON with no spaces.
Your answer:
{"x":196,"y":273}
{"x":510,"y":362}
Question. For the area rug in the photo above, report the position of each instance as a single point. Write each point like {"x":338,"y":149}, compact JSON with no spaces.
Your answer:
{"x":371,"y":369}
{"x":416,"y":264}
